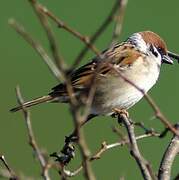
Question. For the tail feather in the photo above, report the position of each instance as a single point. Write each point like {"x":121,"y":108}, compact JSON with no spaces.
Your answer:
{"x":33,"y":102}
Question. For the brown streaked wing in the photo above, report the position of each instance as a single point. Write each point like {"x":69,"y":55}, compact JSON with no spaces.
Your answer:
{"x":122,"y":54}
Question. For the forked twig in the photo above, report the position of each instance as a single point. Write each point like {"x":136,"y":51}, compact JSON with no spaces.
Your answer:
{"x":43,"y":162}
{"x":55,"y":50}
{"x":120,"y":4}
{"x":60,"y":74}
{"x":81,"y":140}
{"x":63,"y":25}
{"x":105,"y":147}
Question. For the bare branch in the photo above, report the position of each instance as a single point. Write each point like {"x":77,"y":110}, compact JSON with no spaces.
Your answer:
{"x":168,"y":158}
{"x":61,"y":73}
{"x":58,"y":73}
{"x":55,"y":51}
{"x":142,"y":163}
{"x":43,"y":162}
{"x":98,"y":32}
{"x":119,"y":21}
{"x":69,"y":173}
{"x":37,"y":47}
{"x":105,"y":147}
{"x":53,"y":45}
{"x":75,"y":33}
{"x":85,"y":153}
{"x":78,"y":119}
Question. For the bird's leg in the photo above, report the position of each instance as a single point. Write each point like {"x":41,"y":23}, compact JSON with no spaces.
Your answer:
{"x":68,"y":150}
{"x":117,"y":112}
{"x":73,"y":136}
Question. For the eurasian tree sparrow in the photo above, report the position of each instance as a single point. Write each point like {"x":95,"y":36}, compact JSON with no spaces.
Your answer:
{"x":139,"y":58}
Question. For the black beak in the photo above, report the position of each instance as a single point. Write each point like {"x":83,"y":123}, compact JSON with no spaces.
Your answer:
{"x":166,"y":59}
{"x":173,"y":55}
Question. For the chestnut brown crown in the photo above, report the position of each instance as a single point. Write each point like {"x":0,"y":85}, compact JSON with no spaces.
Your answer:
{"x":154,"y":39}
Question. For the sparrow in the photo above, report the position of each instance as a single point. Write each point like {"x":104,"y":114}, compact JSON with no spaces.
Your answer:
{"x":139,"y":59}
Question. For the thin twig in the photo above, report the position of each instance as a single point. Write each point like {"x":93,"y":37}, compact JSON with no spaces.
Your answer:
{"x":82,"y":118}
{"x":55,"y":50}
{"x":76,"y":111}
{"x":142,"y":163}
{"x":43,"y":162}
{"x":119,"y":21}
{"x":168,"y":158}
{"x":41,"y":10}
{"x":11,"y":174}
{"x":53,"y":45}
{"x":73,"y":173}
{"x":105,"y":147}
{"x":91,"y":94}
{"x":59,"y":74}
{"x":63,"y":25}
{"x":85,"y":153}
{"x":37,"y":47}
{"x":98,"y":32}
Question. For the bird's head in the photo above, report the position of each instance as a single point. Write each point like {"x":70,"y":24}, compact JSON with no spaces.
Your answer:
{"x":152,"y":44}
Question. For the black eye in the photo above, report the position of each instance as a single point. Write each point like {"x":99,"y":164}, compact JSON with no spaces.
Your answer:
{"x":153,"y":51}
{"x":161,"y":51}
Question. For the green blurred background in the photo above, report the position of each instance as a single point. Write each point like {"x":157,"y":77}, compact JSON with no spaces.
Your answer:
{"x":51,"y":122}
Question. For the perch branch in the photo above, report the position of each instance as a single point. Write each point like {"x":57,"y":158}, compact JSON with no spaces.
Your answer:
{"x":142,"y":163}
{"x":168,"y":158}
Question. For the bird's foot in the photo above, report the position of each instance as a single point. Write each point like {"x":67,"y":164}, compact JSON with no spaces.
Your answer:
{"x":117,"y":112}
